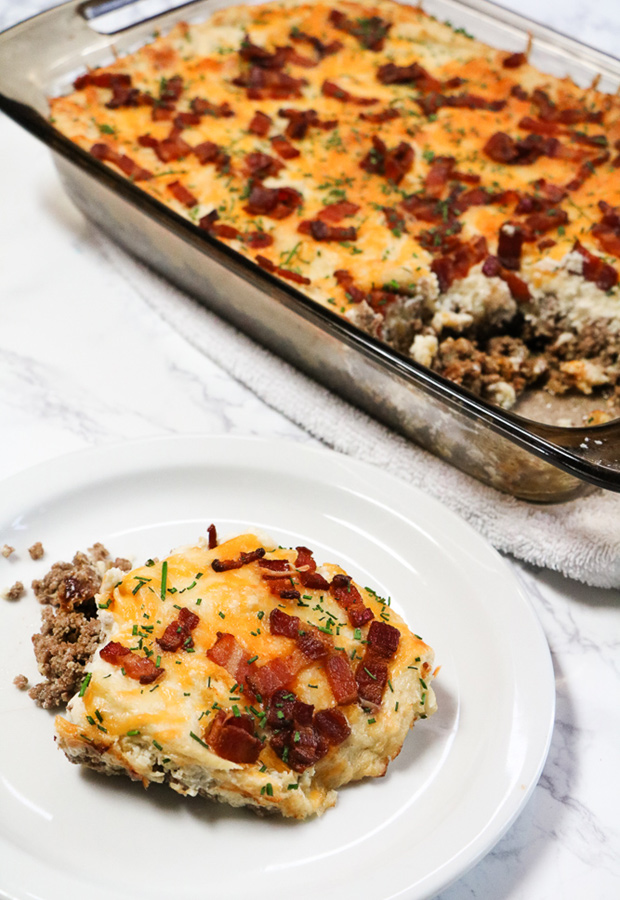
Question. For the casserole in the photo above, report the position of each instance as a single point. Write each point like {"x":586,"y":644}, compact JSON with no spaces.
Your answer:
{"x":502,"y":448}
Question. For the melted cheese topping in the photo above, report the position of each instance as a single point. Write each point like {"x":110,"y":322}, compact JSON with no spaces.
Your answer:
{"x":159,"y":731}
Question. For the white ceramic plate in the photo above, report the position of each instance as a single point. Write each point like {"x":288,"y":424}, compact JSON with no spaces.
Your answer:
{"x":461,"y":779}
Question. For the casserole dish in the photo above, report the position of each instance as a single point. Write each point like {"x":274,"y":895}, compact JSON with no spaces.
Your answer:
{"x":529,"y":459}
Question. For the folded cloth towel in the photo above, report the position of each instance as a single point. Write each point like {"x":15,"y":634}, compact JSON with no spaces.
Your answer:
{"x":579,"y":538}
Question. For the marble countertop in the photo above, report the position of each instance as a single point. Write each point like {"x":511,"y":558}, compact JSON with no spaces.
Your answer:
{"x":83,"y":363}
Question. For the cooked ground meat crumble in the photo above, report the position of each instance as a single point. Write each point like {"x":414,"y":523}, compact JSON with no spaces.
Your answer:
{"x":16,"y":591}
{"x":70,"y":629}
{"x":7,"y":550}
{"x":36,"y":551}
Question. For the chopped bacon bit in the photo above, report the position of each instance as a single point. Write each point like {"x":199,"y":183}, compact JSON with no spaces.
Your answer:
{"x":232,"y":737}
{"x":331,"y":89}
{"x":170,"y":148}
{"x":341,"y":678}
{"x":322,"y":49}
{"x":519,"y":290}
{"x":180,"y":192}
{"x":370,"y":33}
{"x":186,"y":120}
{"x":203,"y":107}
{"x":300,"y":120}
{"x":548,"y":111}
{"x":261,"y":165}
{"x":347,"y":595}
{"x":280,"y":623}
{"x":442,"y":238}
{"x":586,"y":170}
{"x":435,"y":101}
{"x":547,"y":196}
{"x":137,"y":667}
{"x":305,"y":559}
{"x":277,"y":203}
{"x":509,"y":246}
{"x":384,"y":116}
{"x":438,"y":175}
{"x":224,"y":565}
{"x":257,"y":239}
{"x":383,"y":639}
{"x":102,"y":80}
{"x":283,"y":148}
{"x":520,"y":93}
{"x":514,"y":61}
{"x":274,"y":565}
{"x":502,"y":148}
{"x":265,"y":84}
{"x":546,"y":243}
{"x":260,"y":124}
{"x":178,"y":633}
{"x":314,"y":581}
{"x":457,"y":262}
{"x":595,"y":269}
{"x":212,"y":532}
{"x":270,"y":266}
{"x":258,"y":56}
{"x":334,"y":212}
{"x":290,"y":594}
{"x":591,"y":140}
{"x":321,"y":231}
{"x":371,"y":676}
{"x":210,"y":224}
{"x":389,"y":73}
{"x":332,"y":724}
{"x":286,"y":711}
{"x":607,"y":231}
{"x":542,"y":222}
{"x":124,"y":163}
{"x":278,"y":673}
{"x":345,"y":280}
{"x":208,"y":152}
{"x":527,"y":123}
{"x":393,"y":164}
{"x":228,"y":653}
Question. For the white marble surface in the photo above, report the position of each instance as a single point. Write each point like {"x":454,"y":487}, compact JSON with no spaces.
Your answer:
{"x":84,"y":362}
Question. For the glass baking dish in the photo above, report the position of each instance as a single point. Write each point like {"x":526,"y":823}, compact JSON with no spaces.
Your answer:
{"x":526,"y":458}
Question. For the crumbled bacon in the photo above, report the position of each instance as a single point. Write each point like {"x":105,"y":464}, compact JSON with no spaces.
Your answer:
{"x":202,"y":107}
{"x":349,"y":598}
{"x":547,"y":196}
{"x":341,"y":678}
{"x":232,"y":737}
{"x":186,"y":120}
{"x":607,"y":231}
{"x":222,"y":230}
{"x":258,"y":240}
{"x":502,"y":148}
{"x":550,"y":112}
{"x":178,"y":633}
{"x":371,"y":676}
{"x":383,"y":639}
{"x":393,"y":164}
{"x":274,"y":565}
{"x":280,"y":623}
{"x":300,"y":120}
{"x":394,"y":221}
{"x":102,"y":80}
{"x":212,"y":532}
{"x":332,"y":724}
{"x":331,"y":89}
{"x":261,"y":165}
{"x":265,"y":84}
{"x":260,"y":124}
{"x":224,"y":565}
{"x":228,"y":653}
{"x":335,"y":212}
{"x":284,"y":148}
{"x":386,"y":115}
{"x":124,"y":163}
{"x":595,"y":269}
{"x":519,"y":92}
{"x":509,"y":246}
{"x":435,"y":101}
{"x":140,"y":668}
{"x":322,"y":231}
{"x":278,"y":673}
{"x":170,"y":148}
{"x":442,"y":238}
{"x":322,"y":49}
{"x":542,"y":222}
{"x":208,"y":152}
{"x":442,"y":171}
{"x":370,"y":33}
{"x":345,"y":279}
{"x":277,"y":203}
{"x":181,"y":193}
{"x":457,"y":262}
{"x":586,"y":170}
{"x":518,"y":288}
{"x":514,"y":61}
{"x":270,"y":266}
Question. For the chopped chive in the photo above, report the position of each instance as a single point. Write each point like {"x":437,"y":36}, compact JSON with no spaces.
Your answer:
{"x":164,"y":579}
{"x":133,"y":732}
{"x":371,"y":721}
{"x":85,"y":683}
{"x":149,"y":562}
{"x":200,"y":741}
{"x":292,"y":787}
{"x":99,"y":716}
{"x":198,"y":601}
{"x":157,"y":745}
{"x":106,"y":604}
{"x":358,"y":634}
{"x":252,"y":659}
{"x":158,"y":661}
{"x":374,"y":677}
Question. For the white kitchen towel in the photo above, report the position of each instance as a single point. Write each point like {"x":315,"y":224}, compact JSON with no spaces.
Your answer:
{"x":580,"y":538}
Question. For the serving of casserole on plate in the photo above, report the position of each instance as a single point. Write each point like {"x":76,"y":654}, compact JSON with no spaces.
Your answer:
{"x":442,"y":195}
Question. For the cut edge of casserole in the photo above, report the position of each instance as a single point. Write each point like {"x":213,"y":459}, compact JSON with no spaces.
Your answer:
{"x":249,"y":676}
{"x":443,"y":195}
